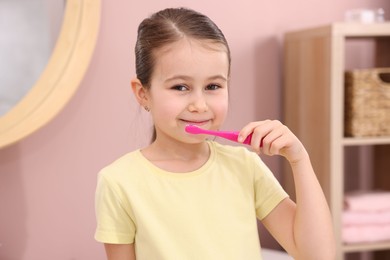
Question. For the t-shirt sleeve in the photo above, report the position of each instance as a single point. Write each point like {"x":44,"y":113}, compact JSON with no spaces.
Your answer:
{"x":268,"y":191}
{"x":115,"y":224}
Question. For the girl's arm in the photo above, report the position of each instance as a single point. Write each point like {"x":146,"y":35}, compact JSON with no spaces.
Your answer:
{"x":120,"y":251}
{"x":304,"y":229}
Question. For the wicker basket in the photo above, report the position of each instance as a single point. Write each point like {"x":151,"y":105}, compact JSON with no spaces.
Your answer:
{"x":367,"y":102}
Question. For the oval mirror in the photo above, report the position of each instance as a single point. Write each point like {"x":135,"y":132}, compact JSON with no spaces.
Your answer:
{"x":61,"y":76}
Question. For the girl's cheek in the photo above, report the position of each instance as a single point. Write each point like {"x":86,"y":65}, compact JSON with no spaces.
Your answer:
{"x":222,"y":109}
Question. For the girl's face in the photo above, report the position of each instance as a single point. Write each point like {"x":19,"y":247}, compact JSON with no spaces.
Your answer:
{"x":189,"y":85}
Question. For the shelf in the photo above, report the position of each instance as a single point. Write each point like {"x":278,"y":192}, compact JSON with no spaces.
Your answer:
{"x":345,"y":29}
{"x":354,"y":141}
{"x":315,"y":60}
{"x":385,"y":245}
{"x":362,"y":30}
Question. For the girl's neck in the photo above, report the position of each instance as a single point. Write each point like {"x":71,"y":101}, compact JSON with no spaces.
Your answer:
{"x":177,"y":156}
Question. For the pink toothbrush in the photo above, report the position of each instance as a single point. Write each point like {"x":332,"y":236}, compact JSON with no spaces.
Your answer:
{"x":230,"y":135}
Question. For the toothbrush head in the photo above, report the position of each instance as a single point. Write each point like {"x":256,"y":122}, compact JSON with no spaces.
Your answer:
{"x":193,"y":129}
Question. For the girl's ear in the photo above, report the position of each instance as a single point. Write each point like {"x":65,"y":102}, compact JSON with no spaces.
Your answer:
{"x":140,"y":93}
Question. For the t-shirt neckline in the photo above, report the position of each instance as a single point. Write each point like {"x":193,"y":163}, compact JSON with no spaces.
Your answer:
{"x":196,"y":172}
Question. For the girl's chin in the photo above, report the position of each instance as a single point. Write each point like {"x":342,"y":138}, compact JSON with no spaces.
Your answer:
{"x":196,"y":139}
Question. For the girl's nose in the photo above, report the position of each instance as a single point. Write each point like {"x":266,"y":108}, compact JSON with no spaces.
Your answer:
{"x":198,"y":104}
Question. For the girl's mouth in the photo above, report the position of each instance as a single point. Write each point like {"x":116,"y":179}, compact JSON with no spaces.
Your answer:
{"x":195,"y":122}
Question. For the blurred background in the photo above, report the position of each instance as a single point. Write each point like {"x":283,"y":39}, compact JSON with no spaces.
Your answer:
{"x":47,"y":180}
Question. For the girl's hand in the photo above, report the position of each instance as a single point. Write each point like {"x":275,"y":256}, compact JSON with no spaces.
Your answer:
{"x":271,"y":137}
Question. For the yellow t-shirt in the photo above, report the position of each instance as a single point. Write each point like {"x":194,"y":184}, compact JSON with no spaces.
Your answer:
{"x":206,"y":214}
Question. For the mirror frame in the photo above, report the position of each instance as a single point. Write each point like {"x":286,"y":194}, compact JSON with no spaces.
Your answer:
{"x":61,"y":77}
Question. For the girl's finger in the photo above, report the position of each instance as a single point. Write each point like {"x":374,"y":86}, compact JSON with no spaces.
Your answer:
{"x":278,"y":131}
{"x":258,"y":135}
{"x":248,"y":129}
{"x":279,"y":145}
{"x":271,"y":140}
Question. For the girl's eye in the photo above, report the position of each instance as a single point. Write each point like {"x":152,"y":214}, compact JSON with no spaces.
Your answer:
{"x":180,"y":87}
{"x":212,"y":87}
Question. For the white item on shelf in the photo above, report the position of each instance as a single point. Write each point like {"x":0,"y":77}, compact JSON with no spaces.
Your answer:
{"x":365,"y":15}
{"x":367,"y":201}
{"x":379,"y":217}
{"x":366,"y":233}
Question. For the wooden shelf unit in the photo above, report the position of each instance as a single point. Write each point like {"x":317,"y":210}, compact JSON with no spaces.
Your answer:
{"x":314,"y":111}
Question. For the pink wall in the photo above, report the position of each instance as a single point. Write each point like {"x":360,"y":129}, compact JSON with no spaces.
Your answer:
{"x":47,"y":181}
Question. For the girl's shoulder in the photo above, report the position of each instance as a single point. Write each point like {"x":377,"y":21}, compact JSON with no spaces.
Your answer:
{"x":125,"y":162}
{"x":236,"y":156}
{"x":230,"y":151}
{"x":240,"y":162}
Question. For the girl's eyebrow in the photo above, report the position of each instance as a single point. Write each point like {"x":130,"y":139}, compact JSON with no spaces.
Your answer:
{"x":178,"y":77}
{"x":188,"y":78}
{"x":220,"y":77}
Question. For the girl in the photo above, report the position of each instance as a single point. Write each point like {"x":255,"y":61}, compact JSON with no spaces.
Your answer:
{"x":183,"y":197}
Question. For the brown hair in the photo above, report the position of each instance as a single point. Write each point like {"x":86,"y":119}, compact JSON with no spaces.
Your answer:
{"x":168,"y":26}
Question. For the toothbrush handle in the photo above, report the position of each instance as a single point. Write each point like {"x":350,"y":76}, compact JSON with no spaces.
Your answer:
{"x":230,"y":135}
{"x":233,"y":136}
{"x":248,"y":139}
